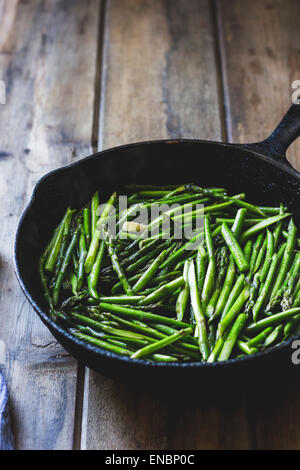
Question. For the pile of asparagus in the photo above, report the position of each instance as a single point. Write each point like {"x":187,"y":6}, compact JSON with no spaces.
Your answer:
{"x":142,"y":295}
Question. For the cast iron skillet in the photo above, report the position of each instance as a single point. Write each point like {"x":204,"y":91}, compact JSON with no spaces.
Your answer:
{"x":260,"y":170}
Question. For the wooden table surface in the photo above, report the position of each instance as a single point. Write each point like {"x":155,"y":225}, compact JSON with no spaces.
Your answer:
{"x":87,"y":75}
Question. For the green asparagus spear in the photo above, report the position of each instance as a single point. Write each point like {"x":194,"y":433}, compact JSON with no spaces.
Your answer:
{"x":198,"y":312}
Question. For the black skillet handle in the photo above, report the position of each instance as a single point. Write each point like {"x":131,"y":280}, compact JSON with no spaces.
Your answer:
{"x":281,"y":138}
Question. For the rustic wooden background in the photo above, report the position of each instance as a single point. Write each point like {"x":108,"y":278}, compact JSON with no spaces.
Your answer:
{"x":86,"y":75}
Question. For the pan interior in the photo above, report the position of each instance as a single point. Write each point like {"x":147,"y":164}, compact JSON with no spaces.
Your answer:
{"x":205,"y":163}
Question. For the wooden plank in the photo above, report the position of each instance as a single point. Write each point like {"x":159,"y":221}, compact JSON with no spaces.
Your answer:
{"x":160,"y":73}
{"x":48,"y":52}
{"x":260,"y":61}
{"x":118,"y":417}
{"x":160,"y":81}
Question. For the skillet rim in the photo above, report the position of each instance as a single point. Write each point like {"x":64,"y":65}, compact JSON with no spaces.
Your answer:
{"x":252,"y":149}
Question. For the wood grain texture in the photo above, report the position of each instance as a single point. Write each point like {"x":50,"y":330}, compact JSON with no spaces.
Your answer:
{"x":48,"y":58}
{"x":159,"y":76}
{"x":122,"y":417}
{"x":260,"y":56}
{"x":160,"y":81}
